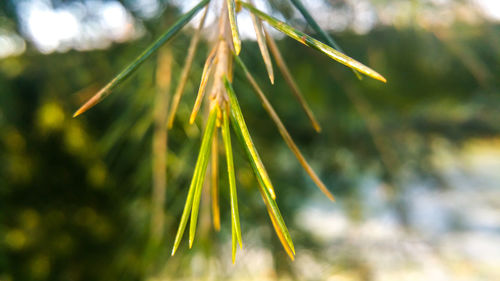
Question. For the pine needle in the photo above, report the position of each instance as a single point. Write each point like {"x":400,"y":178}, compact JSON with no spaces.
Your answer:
{"x":283,"y":131}
{"x":233,"y":242}
{"x":315,"y":44}
{"x":207,"y":69}
{"x":286,"y":243}
{"x":278,"y":222}
{"x":186,"y":211}
{"x":261,"y":40}
{"x":328,"y":39}
{"x":235,"y":217}
{"x":231,"y":8}
{"x":239,"y":124}
{"x":272,"y":207}
{"x":197,"y":179}
{"x":188,"y":63}
{"x":214,"y":167}
{"x":291,"y":82}
{"x":203,"y":159}
{"x":239,"y":128}
{"x":131,"y":68}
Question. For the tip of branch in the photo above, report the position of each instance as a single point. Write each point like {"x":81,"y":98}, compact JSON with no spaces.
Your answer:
{"x":271,"y":78}
{"x":98,"y":97}
{"x":78,"y":112}
{"x":84,"y":108}
{"x":380,"y":78}
{"x":170,"y":124}
{"x":90,"y":103}
{"x":272,"y":193}
{"x":331,"y":197}
{"x":192,"y":118}
{"x":325,"y":191}
{"x":317,"y":127}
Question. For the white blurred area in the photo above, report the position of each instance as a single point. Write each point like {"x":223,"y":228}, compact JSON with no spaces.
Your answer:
{"x":453,"y":227}
{"x":91,"y":25}
{"x":81,"y":26}
{"x":95,"y":24}
{"x":11,"y":44}
{"x":454,"y":231}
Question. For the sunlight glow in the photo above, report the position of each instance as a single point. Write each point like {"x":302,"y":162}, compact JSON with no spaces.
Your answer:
{"x":82,"y":26}
{"x":491,"y":8}
{"x":11,"y":44}
{"x":51,"y":29}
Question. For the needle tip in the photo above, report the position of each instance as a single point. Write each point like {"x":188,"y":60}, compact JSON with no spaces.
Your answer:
{"x":381,"y":78}
{"x":78,"y":112}
{"x":317,"y":128}
{"x":330,"y":196}
{"x":273,"y":195}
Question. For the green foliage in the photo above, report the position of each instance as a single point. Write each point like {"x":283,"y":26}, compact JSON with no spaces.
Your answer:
{"x":74,"y":192}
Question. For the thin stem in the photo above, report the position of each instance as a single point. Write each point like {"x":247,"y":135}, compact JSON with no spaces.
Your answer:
{"x":159,"y":154}
{"x":188,"y":63}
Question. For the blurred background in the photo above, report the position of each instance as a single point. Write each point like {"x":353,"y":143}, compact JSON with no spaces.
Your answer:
{"x":414,"y":164}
